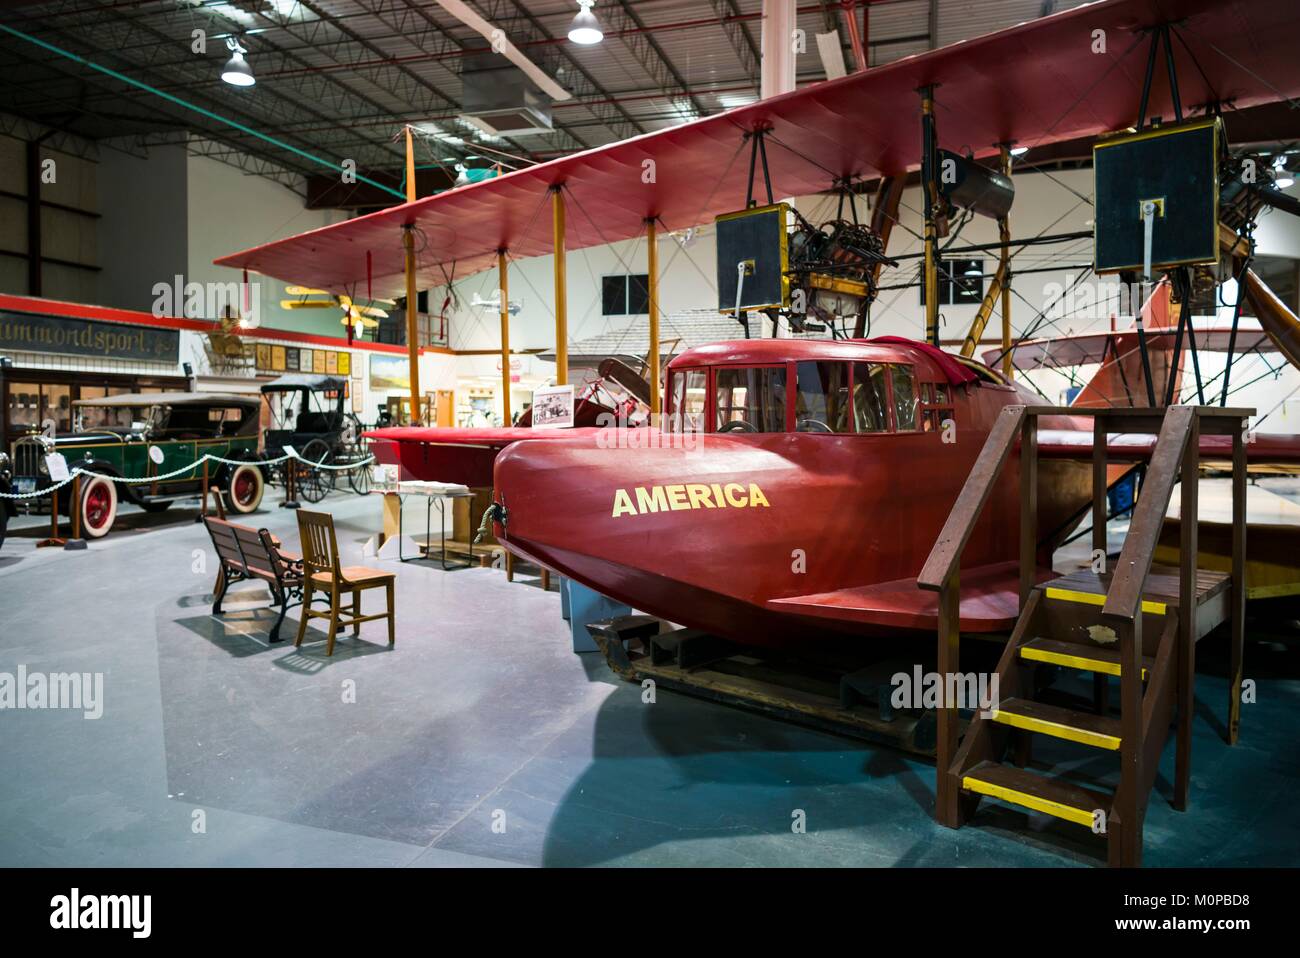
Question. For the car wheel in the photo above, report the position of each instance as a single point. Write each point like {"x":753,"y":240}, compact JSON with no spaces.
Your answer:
{"x":98,"y":507}
{"x":245,"y":488}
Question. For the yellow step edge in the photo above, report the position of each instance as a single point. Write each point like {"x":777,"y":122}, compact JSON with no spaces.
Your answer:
{"x":1092,"y":598}
{"x":1083,"y":663}
{"x":1084,"y":736}
{"x":1067,"y":812}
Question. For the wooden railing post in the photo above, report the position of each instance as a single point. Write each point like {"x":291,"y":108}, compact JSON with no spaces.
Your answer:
{"x":1028,"y":507}
{"x":1128,"y":800}
{"x":1099,"y":433}
{"x":1238,"y":608}
{"x":1187,"y":552}
{"x":947,"y":789}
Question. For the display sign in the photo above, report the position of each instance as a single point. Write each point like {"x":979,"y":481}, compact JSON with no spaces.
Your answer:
{"x":33,"y":333}
{"x":553,"y":407}
{"x":57,"y":466}
{"x":753,"y":259}
{"x":1175,"y":168}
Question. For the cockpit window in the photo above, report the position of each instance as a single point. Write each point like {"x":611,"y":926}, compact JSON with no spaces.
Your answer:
{"x":690,"y":390}
{"x":821,"y":397}
{"x":750,"y":399}
{"x":904,"y":398}
{"x":870,"y":397}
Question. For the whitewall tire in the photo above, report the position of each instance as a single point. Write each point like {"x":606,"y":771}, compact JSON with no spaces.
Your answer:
{"x":98,"y":507}
{"x":245,"y":488}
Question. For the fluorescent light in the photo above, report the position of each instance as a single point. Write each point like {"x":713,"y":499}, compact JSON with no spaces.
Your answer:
{"x":1282,"y":182}
{"x":585,"y":28}
{"x":237,"y":72}
{"x":1019,"y":150}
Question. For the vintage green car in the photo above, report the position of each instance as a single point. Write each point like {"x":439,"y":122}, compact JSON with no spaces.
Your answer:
{"x":138,"y":435}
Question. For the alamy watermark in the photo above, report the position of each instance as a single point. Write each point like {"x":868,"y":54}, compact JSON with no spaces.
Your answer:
{"x":53,"y":690}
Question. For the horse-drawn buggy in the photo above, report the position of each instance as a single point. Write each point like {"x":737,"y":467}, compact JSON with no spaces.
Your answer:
{"x":307,"y":415}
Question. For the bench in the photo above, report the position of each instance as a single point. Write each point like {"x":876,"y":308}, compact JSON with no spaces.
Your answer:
{"x":245,"y":554}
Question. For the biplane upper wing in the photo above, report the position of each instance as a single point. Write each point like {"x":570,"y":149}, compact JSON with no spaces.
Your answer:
{"x":1036,"y":83}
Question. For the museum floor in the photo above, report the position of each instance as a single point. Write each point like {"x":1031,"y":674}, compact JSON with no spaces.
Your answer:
{"x":482,"y":709}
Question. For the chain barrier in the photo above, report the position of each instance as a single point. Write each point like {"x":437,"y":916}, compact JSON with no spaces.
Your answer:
{"x":76,"y":471}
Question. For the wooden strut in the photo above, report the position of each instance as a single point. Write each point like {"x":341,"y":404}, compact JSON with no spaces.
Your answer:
{"x":561,"y":288}
{"x":999,"y":288}
{"x":504,"y":285}
{"x":412,"y":295}
{"x":652,"y":268}
{"x":928,"y":187}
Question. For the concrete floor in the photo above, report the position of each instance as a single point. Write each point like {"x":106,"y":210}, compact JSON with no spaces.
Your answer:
{"x":481,"y":716}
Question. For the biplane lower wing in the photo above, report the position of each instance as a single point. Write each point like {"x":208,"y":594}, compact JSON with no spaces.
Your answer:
{"x":445,"y":454}
{"x":1264,"y":449}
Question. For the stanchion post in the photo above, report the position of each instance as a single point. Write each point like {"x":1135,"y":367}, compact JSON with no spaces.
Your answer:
{"x":76,"y":542}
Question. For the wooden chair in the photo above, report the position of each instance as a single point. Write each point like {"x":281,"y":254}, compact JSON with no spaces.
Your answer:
{"x":323,"y":572}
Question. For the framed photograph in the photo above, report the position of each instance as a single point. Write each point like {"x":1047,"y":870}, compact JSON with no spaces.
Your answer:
{"x":345,"y":364}
{"x":553,"y":407}
{"x":304,"y":360}
{"x":332,"y":363}
{"x":263,"y":356}
{"x":277,"y":359}
{"x":318,"y":360}
{"x":291,"y":360}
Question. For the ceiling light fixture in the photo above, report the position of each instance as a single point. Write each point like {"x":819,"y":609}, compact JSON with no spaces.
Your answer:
{"x":1019,"y":150}
{"x":237,"y":72}
{"x":585,"y":28}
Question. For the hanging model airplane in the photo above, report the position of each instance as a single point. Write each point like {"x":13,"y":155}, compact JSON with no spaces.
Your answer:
{"x":494,"y":305}
{"x":354,"y":315}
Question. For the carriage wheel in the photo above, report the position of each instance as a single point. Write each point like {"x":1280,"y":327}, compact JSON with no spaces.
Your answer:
{"x":314,"y":483}
{"x":359,"y":477}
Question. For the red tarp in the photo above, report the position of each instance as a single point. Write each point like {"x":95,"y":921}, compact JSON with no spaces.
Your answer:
{"x":1036,"y":83}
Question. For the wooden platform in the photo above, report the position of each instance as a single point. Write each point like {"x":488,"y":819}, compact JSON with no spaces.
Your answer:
{"x":816,"y":693}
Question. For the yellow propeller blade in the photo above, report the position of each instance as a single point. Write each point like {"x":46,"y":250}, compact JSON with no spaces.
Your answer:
{"x":307,"y":304}
{"x":306,"y":291}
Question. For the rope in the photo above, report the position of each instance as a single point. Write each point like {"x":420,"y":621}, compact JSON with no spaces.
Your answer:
{"x":78,"y":471}
{"x":485,"y":524}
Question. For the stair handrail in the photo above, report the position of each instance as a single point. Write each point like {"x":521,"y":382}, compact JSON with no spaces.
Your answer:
{"x":1124,"y":597}
{"x":945,"y":556}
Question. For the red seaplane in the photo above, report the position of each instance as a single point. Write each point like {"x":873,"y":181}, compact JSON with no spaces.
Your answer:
{"x":796,"y":487}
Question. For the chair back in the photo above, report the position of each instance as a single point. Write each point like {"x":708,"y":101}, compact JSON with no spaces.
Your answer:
{"x":320,"y":550}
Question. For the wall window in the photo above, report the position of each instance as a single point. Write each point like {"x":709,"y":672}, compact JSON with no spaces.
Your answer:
{"x":961,"y":281}
{"x":750,"y":400}
{"x":821,"y":397}
{"x":870,"y":397}
{"x":625,"y":295}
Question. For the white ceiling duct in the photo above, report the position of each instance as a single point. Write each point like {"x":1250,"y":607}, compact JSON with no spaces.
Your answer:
{"x":501,"y":44}
{"x":832,"y":54}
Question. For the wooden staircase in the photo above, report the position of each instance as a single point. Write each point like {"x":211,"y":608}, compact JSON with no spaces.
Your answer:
{"x":1134,"y":621}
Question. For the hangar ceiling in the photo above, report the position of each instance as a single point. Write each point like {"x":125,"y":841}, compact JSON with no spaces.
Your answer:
{"x":337,"y":79}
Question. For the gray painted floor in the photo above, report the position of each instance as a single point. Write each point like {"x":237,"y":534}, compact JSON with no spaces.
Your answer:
{"x":482,"y":717}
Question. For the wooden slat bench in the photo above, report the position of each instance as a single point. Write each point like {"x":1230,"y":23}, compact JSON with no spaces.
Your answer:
{"x":245,"y":554}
